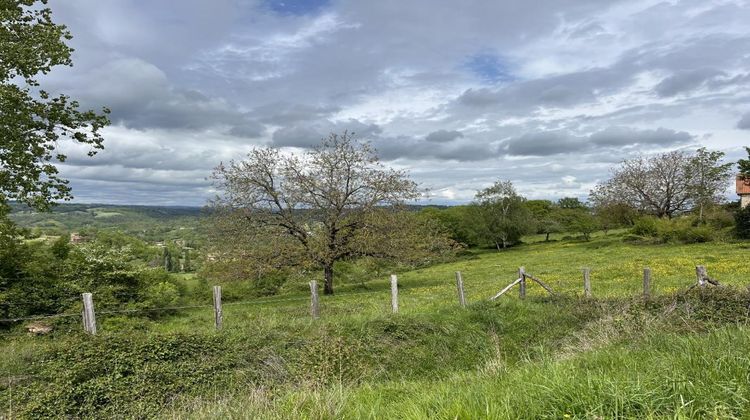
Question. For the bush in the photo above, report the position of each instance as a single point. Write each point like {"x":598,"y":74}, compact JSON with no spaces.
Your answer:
{"x":742,"y":223}
{"x":161,"y":295}
{"x":645,"y":226}
{"x":685,"y":229}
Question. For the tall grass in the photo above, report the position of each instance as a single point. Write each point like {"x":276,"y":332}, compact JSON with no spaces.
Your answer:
{"x":617,"y":355}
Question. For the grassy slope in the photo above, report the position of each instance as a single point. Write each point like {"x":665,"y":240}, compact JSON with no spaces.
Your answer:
{"x":611,"y":356}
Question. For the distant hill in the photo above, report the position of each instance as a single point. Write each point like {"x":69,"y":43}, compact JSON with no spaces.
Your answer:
{"x":153,"y":223}
{"x":142,"y":220}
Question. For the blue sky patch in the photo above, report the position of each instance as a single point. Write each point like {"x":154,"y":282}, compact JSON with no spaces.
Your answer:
{"x":490,"y":68}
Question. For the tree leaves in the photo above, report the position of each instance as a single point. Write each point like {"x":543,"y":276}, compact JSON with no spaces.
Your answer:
{"x":31,"y":120}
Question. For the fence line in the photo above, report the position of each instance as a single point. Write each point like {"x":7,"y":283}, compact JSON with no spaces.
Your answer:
{"x":89,"y":316}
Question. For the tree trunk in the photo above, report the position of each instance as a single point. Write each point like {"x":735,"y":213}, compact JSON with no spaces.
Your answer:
{"x":497,"y":245}
{"x":546,"y":238}
{"x":328,"y":274}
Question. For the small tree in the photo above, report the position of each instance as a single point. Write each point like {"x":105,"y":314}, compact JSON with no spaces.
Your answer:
{"x":580,"y":221}
{"x":503,"y":217}
{"x":614,"y":215}
{"x":709,"y":178}
{"x":332,"y":203}
{"x":546,"y":220}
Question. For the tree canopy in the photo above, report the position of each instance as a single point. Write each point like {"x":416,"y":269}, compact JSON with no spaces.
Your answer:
{"x":503,"y":217}
{"x":32,"y":120}
{"x":333,"y":202}
{"x":666,"y":184}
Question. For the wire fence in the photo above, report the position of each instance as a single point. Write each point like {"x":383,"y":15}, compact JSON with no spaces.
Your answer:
{"x":89,"y":312}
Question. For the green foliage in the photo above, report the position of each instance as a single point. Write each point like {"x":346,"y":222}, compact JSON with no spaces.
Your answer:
{"x":502,"y":218}
{"x":161,"y":295}
{"x":646,"y":226}
{"x":101,"y":377}
{"x":742,"y":223}
{"x":709,"y":179}
{"x":572,"y":203}
{"x":457,"y":220}
{"x":686,"y":229}
{"x":744,"y":165}
{"x":578,"y":220}
{"x":60,"y":248}
{"x":32,"y":121}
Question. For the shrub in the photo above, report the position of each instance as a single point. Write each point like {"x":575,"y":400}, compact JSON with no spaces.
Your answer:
{"x":162,"y":294}
{"x":645,"y":226}
{"x":742,"y":223}
{"x":682,"y":229}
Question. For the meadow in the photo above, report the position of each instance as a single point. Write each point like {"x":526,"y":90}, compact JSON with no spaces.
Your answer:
{"x":678,"y":354}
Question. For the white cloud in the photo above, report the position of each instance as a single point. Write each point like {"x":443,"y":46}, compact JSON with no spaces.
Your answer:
{"x":585,"y":83}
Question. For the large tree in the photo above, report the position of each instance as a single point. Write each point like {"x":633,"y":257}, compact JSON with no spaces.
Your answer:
{"x":32,"y":120}
{"x":658,"y":185}
{"x":666,"y":184}
{"x":503,"y":217}
{"x":332,"y":203}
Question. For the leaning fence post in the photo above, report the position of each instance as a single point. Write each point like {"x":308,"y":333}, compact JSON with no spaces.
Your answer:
{"x":89,"y":316}
{"x":460,"y":287}
{"x":646,"y":282}
{"x":314,"y":304}
{"x":218,"y":315}
{"x":394,"y":293}
{"x":587,"y":282}
{"x":522,"y":285}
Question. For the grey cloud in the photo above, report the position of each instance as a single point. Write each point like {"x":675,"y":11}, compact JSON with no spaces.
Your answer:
{"x":744,"y":122}
{"x":285,"y":113}
{"x":544,"y":143}
{"x":685,"y":80}
{"x":309,"y":135}
{"x":408,"y":148}
{"x":547,"y":143}
{"x":141,"y":96}
{"x":555,"y":91}
{"x":623,"y":136}
{"x":443,"y":136}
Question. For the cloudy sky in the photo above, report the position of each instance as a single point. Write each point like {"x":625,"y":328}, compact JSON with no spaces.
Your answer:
{"x":548,"y":93}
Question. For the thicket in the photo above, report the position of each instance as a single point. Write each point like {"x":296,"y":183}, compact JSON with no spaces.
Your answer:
{"x":716,"y":225}
{"x":37,"y":277}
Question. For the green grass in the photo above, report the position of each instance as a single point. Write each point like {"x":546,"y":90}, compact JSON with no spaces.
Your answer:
{"x":617,"y":355}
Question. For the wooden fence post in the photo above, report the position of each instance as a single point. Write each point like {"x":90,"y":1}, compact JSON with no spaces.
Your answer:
{"x":522,"y":285}
{"x":314,"y":305}
{"x":460,"y":287}
{"x":587,"y":282}
{"x":218,"y":315}
{"x":702,"y":274}
{"x":394,"y":293}
{"x":89,"y":316}
{"x":646,"y":282}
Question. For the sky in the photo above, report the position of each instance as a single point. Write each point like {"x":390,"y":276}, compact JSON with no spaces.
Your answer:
{"x":550,"y":94}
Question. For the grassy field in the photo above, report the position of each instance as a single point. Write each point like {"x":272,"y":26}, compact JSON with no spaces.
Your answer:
{"x":617,"y":355}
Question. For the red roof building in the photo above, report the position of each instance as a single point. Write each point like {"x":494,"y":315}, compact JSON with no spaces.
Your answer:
{"x":743,"y":190}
